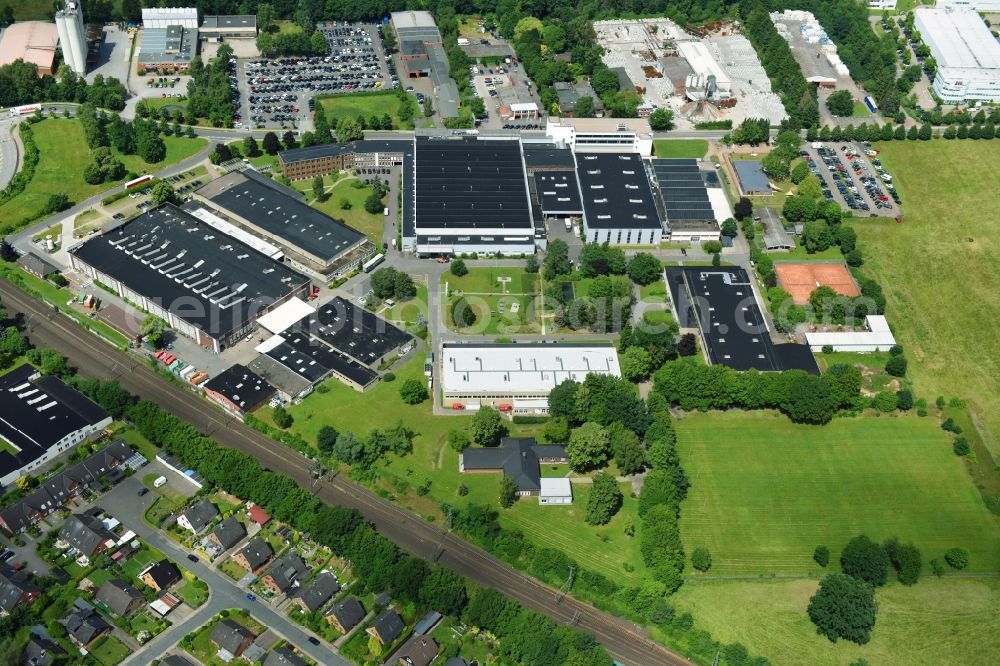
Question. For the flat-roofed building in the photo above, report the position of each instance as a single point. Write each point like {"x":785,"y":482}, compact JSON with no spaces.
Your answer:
{"x":967,"y":54}
{"x":170,"y":48}
{"x":608,"y":135}
{"x":324,"y":159}
{"x":204,"y":284}
{"x":34,"y":42}
{"x":517,"y":377}
{"x":217,"y":28}
{"x":618,"y":204}
{"x":162,"y":17}
{"x":313,"y":242}
{"x":238,"y":390}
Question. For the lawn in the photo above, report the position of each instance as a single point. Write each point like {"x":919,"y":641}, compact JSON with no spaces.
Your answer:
{"x":689,"y":148}
{"x":141,"y":560}
{"x":938,"y":621}
{"x":366,"y":104}
{"x":137,"y":441}
{"x":765,"y":492}
{"x":484,"y":291}
{"x":942,"y":254}
{"x":486,"y":281}
{"x":110,"y":651}
{"x":356,"y":217}
{"x":233,"y":570}
{"x":193,"y":594}
{"x":653,"y":293}
{"x":63,"y":154}
{"x":800,"y":254}
{"x":860,"y":111}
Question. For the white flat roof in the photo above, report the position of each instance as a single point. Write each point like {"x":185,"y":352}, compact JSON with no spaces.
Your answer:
{"x":233,"y":231}
{"x":269,"y":344}
{"x":958,"y":38}
{"x":280,"y":318}
{"x":878,"y":333}
{"x":560,"y":487}
{"x":702,"y":61}
{"x":720,"y":204}
{"x":529,"y":368}
{"x":523,"y":106}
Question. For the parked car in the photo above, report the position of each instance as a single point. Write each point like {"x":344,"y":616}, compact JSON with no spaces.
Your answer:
{"x":192,"y":558}
{"x":313,"y":640}
{"x":143,"y":491}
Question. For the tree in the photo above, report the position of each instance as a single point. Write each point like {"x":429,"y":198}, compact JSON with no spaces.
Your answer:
{"x":584,"y":107}
{"x":556,"y":259}
{"x":635,"y":364}
{"x":730,"y":228}
{"x":961,"y":446}
{"x":403,"y":286}
{"x":687,"y":345}
{"x":265,"y":17}
{"x":462,"y":313}
{"x":250,"y":147}
{"x":288,"y":139}
{"x":444,"y":591}
{"x":508,"y":491}
{"x":701,"y":559}
{"x":326,"y":439}
{"x":488,"y":427}
{"x":7,"y":251}
{"x":904,"y":400}
{"x":556,"y":430}
{"x":562,"y":399}
{"x":588,"y":447}
{"x":905,"y":559}
{"x":627,"y":449}
{"x":271,"y":143}
{"x":776,"y":165}
{"x":843,"y":607}
{"x":840,"y":103}
{"x":865,"y":560}
{"x":661,"y":120}
{"x":413,"y":391}
{"x":957,"y":558}
{"x":743,"y":208}
{"x":531,"y":264}
{"x":375,"y":646}
{"x":458,"y":268}
{"x":821,"y":555}
{"x":809,"y":400}
{"x":318,"y":43}
{"x":151,"y":329}
{"x":319,"y":192}
{"x":896,"y":366}
{"x":281,"y":417}
{"x":163,"y":192}
{"x":458,"y":440}
{"x":645,"y":269}
{"x":816,"y":236}
{"x":799,"y":172}
{"x":349,"y":130}
{"x":712,"y":247}
{"x":605,"y":499}
{"x":373,"y":202}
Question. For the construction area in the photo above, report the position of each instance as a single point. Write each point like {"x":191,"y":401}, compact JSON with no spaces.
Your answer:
{"x":712,"y":76}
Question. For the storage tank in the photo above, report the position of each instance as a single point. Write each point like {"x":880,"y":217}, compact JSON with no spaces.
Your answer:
{"x":72,"y":36}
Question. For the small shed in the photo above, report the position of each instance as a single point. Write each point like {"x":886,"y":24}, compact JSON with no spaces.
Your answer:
{"x":556,"y":491}
{"x":36,"y":265}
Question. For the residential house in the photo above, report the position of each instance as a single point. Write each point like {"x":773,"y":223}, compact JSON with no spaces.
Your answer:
{"x":161,"y":575}
{"x":313,"y":596}
{"x":284,"y":657}
{"x":232,"y":638}
{"x":456,"y":661}
{"x":254,"y":556}
{"x":418,"y":651}
{"x":570,"y":93}
{"x":15,"y":589}
{"x":226,"y":534}
{"x":41,"y":650}
{"x":258,"y":515}
{"x":387,"y":627}
{"x":87,"y":534}
{"x":516,"y":457}
{"x":286,"y":571}
{"x":176,"y":660}
{"x":198,"y":516}
{"x":346,"y":614}
{"x":85,"y":626}
{"x":36,"y":265}
{"x":119,"y":597}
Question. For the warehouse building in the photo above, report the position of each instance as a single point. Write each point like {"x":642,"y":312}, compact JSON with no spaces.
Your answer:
{"x":238,"y":390}
{"x":171,"y":48}
{"x":471,"y":195}
{"x":709,"y":80}
{"x":875,"y":336}
{"x":312,"y":242}
{"x":618,"y":203}
{"x":164,"y":17}
{"x":34,"y":42}
{"x":218,"y":28}
{"x":693,"y":202}
{"x":517,"y":378}
{"x":40,"y":417}
{"x":204,"y":284}
{"x":967,"y":54}
{"x":985,"y":6}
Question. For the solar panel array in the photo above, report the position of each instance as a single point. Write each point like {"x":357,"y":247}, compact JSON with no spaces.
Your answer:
{"x":682,"y":190}
{"x":468,"y":183}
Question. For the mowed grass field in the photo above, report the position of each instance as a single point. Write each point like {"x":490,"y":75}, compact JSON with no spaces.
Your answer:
{"x":691,"y":148}
{"x":938,"y":621}
{"x":367,"y":104}
{"x":939,"y":269}
{"x":765,"y":492}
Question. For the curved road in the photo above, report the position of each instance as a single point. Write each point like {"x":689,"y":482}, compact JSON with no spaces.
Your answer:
{"x":92,"y":357}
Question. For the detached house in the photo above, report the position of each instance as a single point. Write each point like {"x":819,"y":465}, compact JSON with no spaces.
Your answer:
{"x":286,"y":571}
{"x":254,"y":556}
{"x":120,"y":597}
{"x":198,"y":516}
{"x":387,"y":627}
{"x":313,"y":596}
{"x":232,"y":638}
{"x":346,"y":614}
{"x":161,"y":575}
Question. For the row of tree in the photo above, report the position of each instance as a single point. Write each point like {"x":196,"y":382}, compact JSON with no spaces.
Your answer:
{"x":888,"y":132}
{"x":103,"y":130}
{"x":20,"y":84}
{"x":208,"y":92}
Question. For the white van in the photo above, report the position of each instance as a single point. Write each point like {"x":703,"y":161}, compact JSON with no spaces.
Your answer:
{"x":569,"y":224}
{"x":386,"y":211}
{"x":160,"y":482}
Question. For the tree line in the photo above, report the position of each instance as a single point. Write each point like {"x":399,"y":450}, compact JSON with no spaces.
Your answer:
{"x":20,"y":84}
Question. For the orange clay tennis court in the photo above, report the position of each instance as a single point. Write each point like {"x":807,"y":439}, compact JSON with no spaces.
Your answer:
{"x":799,"y":280}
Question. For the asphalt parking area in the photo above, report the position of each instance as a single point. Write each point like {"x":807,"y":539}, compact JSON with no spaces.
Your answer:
{"x":853,"y":182}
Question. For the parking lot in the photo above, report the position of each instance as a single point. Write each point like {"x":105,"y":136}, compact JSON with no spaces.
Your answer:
{"x":501,"y":86}
{"x":853,"y":178}
{"x":277,"y":92}
{"x":112,"y":60}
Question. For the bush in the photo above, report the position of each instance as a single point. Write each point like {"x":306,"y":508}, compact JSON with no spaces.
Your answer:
{"x":843,"y":607}
{"x":961,"y":447}
{"x":458,"y":268}
{"x":821,"y":555}
{"x":701,"y":559}
{"x":389,"y":377}
{"x":281,"y":417}
{"x":896,"y":366}
{"x":413,"y":391}
{"x":958,"y":558}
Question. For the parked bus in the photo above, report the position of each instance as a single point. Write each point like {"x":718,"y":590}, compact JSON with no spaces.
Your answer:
{"x":25,"y":109}
{"x":870,"y":103}
{"x":135,"y":182}
{"x":373,"y":262}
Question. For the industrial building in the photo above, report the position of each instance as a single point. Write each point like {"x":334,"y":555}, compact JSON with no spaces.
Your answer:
{"x":882,"y":5}
{"x":34,"y":42}
{"x":613,"y":135}
{"x":312,"y":242}
{"x":206,"y":285}
{"x":238,"y":390}
{"x":325,"y":159}
{"x":72,"y":36}
{"x":422,"y":54}
{"x":218,"y":28}
{"x":471,"y":195}
{"x":40,"y":418}
{"x":171,"y":48}
{"x":876,"y":336}
{"x":517,"y":378}
{"x":967,"y":54}
{"x":618,"y":204}
{"x":164,"y":17}
{"x":709,"y":80}
{"x":985,"y":6}
{"x":692,"y":211}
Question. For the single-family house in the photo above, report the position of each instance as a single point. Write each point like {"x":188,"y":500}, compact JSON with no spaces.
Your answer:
{"x":198,"y":516}
{"x":418,"y":650}
{"x":85,"y":626}
{"x":284,"y":657}
{"x":41,"y":650}
{"x":226,"y":534}
{"x":345,"y":614}
{"x":87,"y":534}
{"x":161,"y":575}
{"x":286,"y":571}
{"x":387,"y":627}
{"x":254,"y":556}
{"x":313,"y":596}
{"x":119,"y":597}
{"x":232,"y":638}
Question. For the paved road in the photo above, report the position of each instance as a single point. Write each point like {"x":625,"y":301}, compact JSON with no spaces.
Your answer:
{"x":624,"y":640}
{"x":124,"y":504}
{"x":8,"y":152}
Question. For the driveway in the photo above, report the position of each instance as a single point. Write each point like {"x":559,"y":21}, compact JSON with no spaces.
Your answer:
{"x":113,"y":57}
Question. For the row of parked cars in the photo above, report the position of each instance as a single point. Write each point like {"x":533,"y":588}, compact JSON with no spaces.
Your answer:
{"x":843,"y":180}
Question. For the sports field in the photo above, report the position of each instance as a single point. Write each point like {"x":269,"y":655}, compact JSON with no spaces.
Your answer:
{"x":938,"y":621}
{"x":938,"y":269}
{"x":765,"y":492}
{"x":800,"y":280}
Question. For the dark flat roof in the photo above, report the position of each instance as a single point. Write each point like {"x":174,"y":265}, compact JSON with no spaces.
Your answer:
{"x":231,"y":21}
{"x":731,"y":322}
{"x":208,"y":279}
{"x":315,"y":361}
{"x":354,"y":331}
{"x":682,"y":190}
{"x":241,"y":386}
{"x":466,"y":183}
{"x":751,"y":175}
{"x":547,"y":156}
{"x":282,"y":215}
{"x":329,"y":149}
{"x":616,"y":193}
{"x":558,"y":192}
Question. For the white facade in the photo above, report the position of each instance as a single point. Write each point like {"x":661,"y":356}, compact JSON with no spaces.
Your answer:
{"x":163,"y":17}
{"x":877,"y":337}
{"x":975,"y":5}
{"x":967,"y":54}
{"x":623,"y":236}
{"x":72,"y":36}
{"x":882,"y":4}
{"x":556,"y":491}
{"x":602,"y":135}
